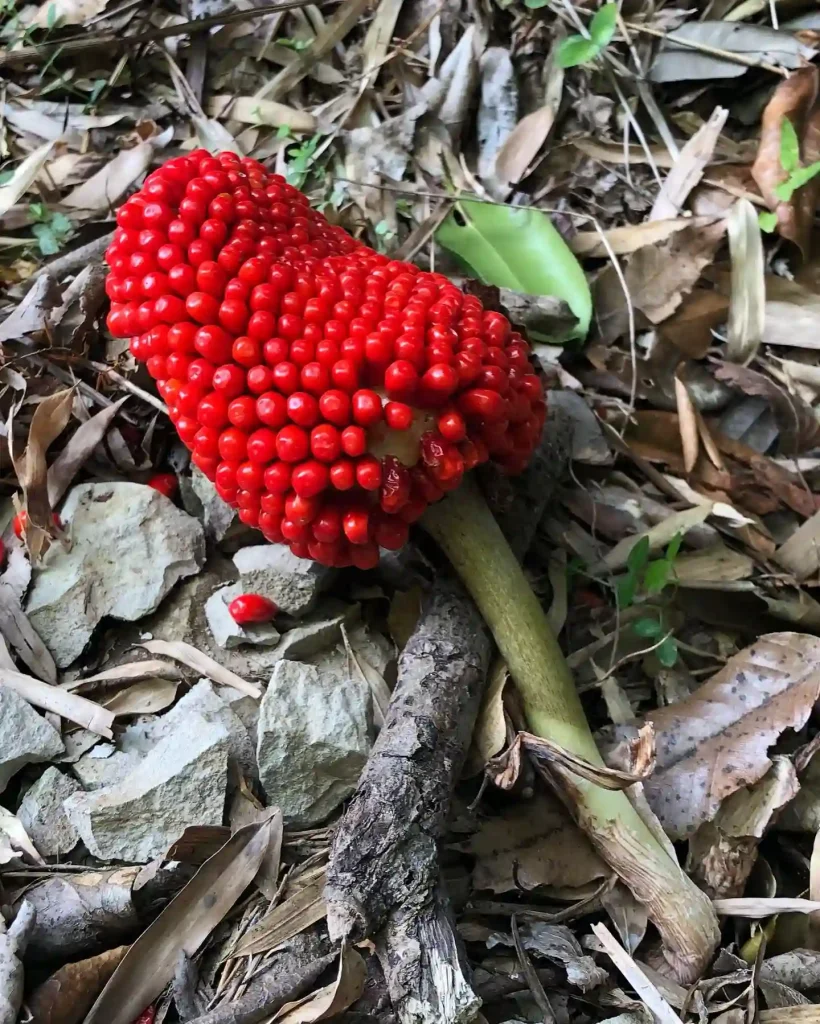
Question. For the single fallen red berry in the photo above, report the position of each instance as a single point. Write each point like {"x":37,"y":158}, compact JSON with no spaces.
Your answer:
{"x":165,"y":483}
{"x":252,"y":608}
{"x":147,"y":1016}
{"x":19,"y":522}
{"x":329,"y":391}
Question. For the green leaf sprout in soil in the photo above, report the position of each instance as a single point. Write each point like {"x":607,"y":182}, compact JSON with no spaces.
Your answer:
{"x":645,"y":579}
{"x":798,"y":176}
{"x":578,"y":49}
{"x":300,"y":157}
{"x":52,"y":230}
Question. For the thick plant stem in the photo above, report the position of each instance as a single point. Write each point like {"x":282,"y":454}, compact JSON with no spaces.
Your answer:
{"x":467,"y":532}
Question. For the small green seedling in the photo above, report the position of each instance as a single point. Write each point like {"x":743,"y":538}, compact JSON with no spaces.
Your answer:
{"x":52,"y":230}
{"x":798,"y":176}
{"x":578,"y":49}
{"x":649,"y":578}
{"x":294,"y":44}
{"x":300,"y":159}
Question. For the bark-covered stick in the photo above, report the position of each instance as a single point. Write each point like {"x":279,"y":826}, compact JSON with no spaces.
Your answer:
{"x":13,"y":942}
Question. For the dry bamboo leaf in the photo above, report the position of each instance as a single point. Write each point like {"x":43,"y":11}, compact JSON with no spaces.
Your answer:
{"x":24,"y":176}
{"x":713,"y":565}
{"x":708,"y":442}
{"x":616,"y":153}
{"x":405,"y":609}
{"x":33,"y":313}
{"x":19,"y":632}
{"x":800,"y":554}
{"x":67,"y":996}
{"x":202,"y":663}
{"x":67,"y":12}
{"x":49,"y":420}
{"x":299,"y":911}
{"x":245,"y":810}
{"x":747,"y":307}
{"x":792,"y":314}
{"x":689,"y":167}
{"x":642,"y":760}
{"x":332,"y":999}
{"x":688,"y":424}
{"x":183,"y":925}
{"x":490,"y":733}
{"x":796,"y":419}
{"x":250,"y":110}
{"x":631,"y":237}
{"x":14,"y":839}
{"x":790,"y":1015}
{"x":60,"y":702}
{"x":83,"y":442}
{"x":529,"y":135}
{"x":133,"y":671}
{"x":764,"y":906}
{"x":794,"y":99}
{"x":716,"y":740}
{"x":210,"y":133}
{"x":103,"y":189}
{"x":657,"y":278}
{"x":648,"y":994}
{"x":377,"y":41}
{"x":658,"y":535}
{"x":146,"y":697}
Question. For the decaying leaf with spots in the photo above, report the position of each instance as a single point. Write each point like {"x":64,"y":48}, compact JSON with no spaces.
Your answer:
{"x":717,"y":740}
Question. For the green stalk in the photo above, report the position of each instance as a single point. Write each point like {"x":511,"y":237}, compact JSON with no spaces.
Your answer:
{"x":466,"y":530}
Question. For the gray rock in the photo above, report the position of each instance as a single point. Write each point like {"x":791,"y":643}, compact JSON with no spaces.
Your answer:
{"x":245,"y":708}
{"x":217,"y":515}
{"x":228,"y":633}
{"x":25,"y":736}
{"x":141,"y":739}
{"x":314,"y":737}
{"x":315,"y":634}
{"x":275,"y":572}
{"x":104,"y":766}
{"x":181,"y":782}
{"x":129,"y":546}
{"x":43,"y":816}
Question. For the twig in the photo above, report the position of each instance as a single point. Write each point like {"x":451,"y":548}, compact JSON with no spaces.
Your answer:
{"x":125,"y":384}
{"x":70,"y":262}
{"x":710,"y":51}
{"x":77,"y":44}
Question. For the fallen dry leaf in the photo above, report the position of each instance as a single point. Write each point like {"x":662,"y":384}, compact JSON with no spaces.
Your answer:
{"x":690,"y":326}
{"x":67,"y":996}
{"x":101,"y":191}
{"x":800,"y":554}
{"x":14,"y":840}
{"x":82,"y":443}
{"x":245,"y":810}
{"x":796,"y":420}
{"x":688,"y":423}
{"x":631,"y":237}
{"x":490,"y":733}
{"x":657,"y":277}
{"x":299,"y":911}
{"x":795,"y":99}
{"x":33,"y":313}
{"x":49,"y":420}
{"x":716,"y":741}
{"x":202,"y":663}
{"x":747,"y":307}
{"x":24,"y":176}
{"x":184,"y":924}
{"x":146,"y":697}
{"x":689,"y":167}
{"x":332,"y":999}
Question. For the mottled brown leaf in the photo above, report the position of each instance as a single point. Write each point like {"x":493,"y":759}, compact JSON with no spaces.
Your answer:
{"x":717,"y":740}
{"x":67,"y":996}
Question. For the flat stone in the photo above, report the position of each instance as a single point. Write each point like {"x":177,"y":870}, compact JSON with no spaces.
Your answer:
{"x":316,"y":634}
{"x":25,"y":736}
{"x":104,"y":766}
{"x":216,"y":515}
{"x":141,"y":740}
{"x":181,"y":782}
{"x":314,"y":737}
{"x":245,"y":707}
{"x":43,"y":817}
{"x":228,"y":633}
{"x":275,"y":572}
{"x":129,"y":546}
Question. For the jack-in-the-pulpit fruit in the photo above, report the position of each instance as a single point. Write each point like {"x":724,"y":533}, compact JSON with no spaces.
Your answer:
{"x":329,"y":392}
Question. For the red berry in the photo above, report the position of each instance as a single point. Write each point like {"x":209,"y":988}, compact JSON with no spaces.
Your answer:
{"x":20,"y":521}
{"x":252,"y":608}
{"x":367,"y":408}
{"x":292,"y":444}
{"x":310,"y":478}
{"x":165,"y":483}
{"x":262,"y":445}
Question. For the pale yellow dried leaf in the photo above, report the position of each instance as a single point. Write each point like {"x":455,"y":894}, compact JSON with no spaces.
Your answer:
{"x":645,"y":990}
{"x":332,"y":999}
{"x":202,"y":663}
{"x":490,"y":734}
{"x":298,"y":912}
{"x":689,"y":167}
{"x":658,"y":535}
{"x":756,"y":907}
{"x":67,"y":12}
{"x":250,"y":110}
{"x":146,"y":697}
{"x":132,"y":671}
{"x":714,"y":565}
{"x":67,"y":705}
{"x":631,"y":237}
{"x":24,"y":176}
{"x":747,"y":303}
{"x":800,"y":554}
{"x":68,"y":994}
{"x":102,"y":190}
{"x":529,"y":135}
{"x":13,"y":828}
{"x":687,"y":424}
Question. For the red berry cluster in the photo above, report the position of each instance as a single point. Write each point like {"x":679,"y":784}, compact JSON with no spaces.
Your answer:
{"x":329,"y":392}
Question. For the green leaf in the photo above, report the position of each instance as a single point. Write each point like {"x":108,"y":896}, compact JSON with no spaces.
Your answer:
{"x":784,"y":191}
{"x":603,"y":25}
{"x":657,"y":576}
{"x":625,"y":588}
{"x":667,"y":652}
{"x":575,"y":50}
{"x":803,"y":175}
{"x":46,"y":240}
{"x":789,"y":147}
{"x":518,"y":248}
{"x":283,"y":131}
{"x":650,"y":628}
{"x":673,"y":547}
{"x":535,"y":5}
{"x":767,"y":221}
{"x":639,"y":555}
